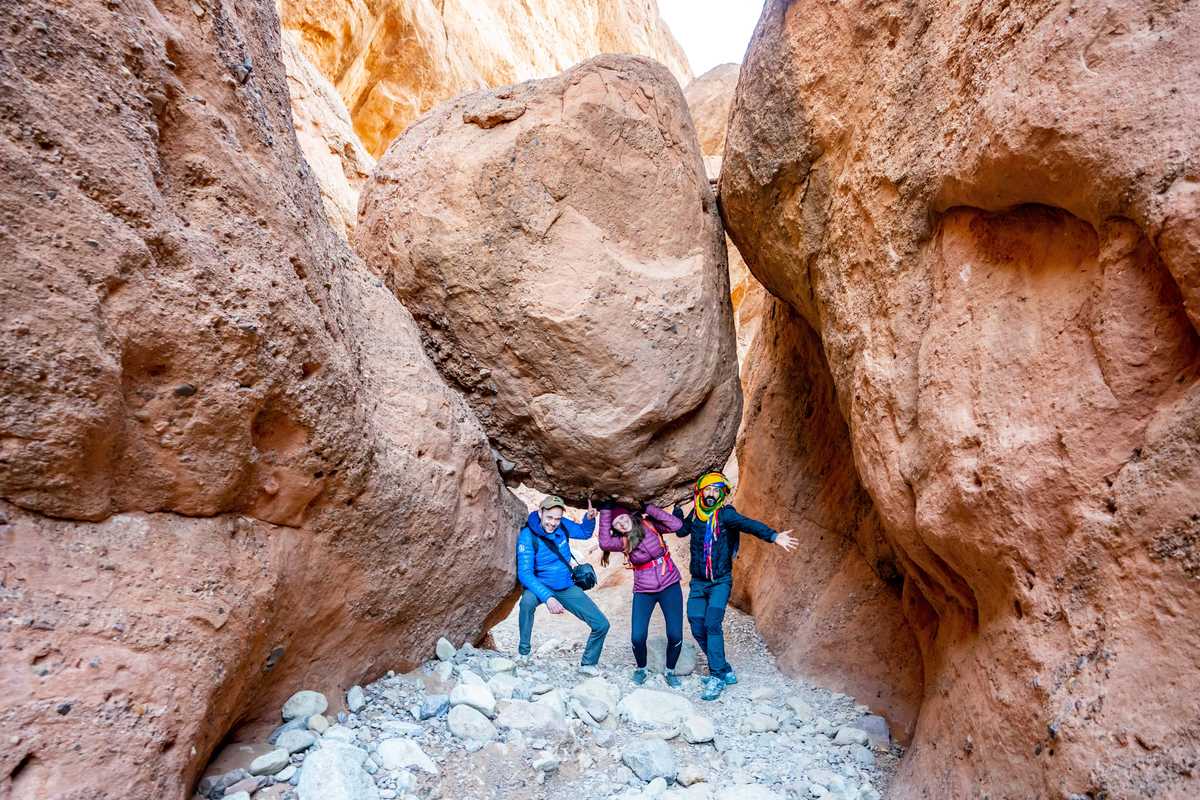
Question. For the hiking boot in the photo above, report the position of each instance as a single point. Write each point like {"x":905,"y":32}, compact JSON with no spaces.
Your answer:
{"x":713,"y":686}
{"x":730,"y":678}
{"x":672,"y":679}
{"x":639,"y":676}
{"x":589,"y":669}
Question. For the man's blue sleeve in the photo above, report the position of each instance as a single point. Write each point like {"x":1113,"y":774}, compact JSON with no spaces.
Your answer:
{"x":526,"y":573}
{"x":686,"y":530}
{"x":731,"y":519}
{"x":577,"y":530}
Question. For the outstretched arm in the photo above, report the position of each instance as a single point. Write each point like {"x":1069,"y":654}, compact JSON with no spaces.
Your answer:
{"x":739,"y":522}
{"x":685,"y":523}
{"x":667,"y":520}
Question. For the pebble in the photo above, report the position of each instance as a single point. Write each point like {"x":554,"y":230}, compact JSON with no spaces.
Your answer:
{"x":697,"y":730}
{"x":802,"y":710}
{"x":762,"y":693}
{"x":502,"y":665}
{"x":546,"y":763}
{"x":433,"y":705}
{"x":691,"y":774}
{"x":284,"y":775}
{"x":238,"y":796}
{"x":356,"y":698}
{"x":761,"y":723}
{"x":751,"y":791}
{"x":269,"y":763}
{"x":304,"y":703}
{"x":338,"y":733}
{"x":445,"y":651}
{"x":471,"y":679}
{"x":862,"y":756}
{"x":847,"y":735}
{"x":318,"y":723}
{"x":444,"y":671}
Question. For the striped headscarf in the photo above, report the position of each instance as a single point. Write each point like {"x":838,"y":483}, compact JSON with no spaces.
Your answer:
{"x":707,"y":512}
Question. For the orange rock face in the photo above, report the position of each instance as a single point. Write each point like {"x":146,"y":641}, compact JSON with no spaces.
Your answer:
{"x":990,"y":219}
{"x":227,"y":465}
{"x":393,"y":60}
{"x":832,"y":610}
{"x":560,"y":246}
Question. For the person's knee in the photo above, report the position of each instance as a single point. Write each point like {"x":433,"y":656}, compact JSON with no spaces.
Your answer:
{"x":529,"y":602}
{"x":712,"y":626}
{"x":639,"y":638}
{"x":601,"y":625}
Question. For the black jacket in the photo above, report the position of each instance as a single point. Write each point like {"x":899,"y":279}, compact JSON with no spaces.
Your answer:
{"x":725,"y":548}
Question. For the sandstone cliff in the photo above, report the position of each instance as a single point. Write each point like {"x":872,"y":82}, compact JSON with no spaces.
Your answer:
{"x":393,"y":60}
{"x":990,"y":217}
{"x":223,"y":448}
{"x":559,"y":243}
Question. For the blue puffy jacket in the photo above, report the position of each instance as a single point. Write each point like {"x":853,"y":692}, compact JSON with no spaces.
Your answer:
{"x":539,"y":570}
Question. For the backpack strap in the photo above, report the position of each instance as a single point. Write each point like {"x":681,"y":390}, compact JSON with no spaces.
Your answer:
{"x":553,"y":547}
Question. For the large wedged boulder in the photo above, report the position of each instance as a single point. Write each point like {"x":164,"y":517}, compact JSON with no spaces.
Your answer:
{"x":989,"y":216}
{"x":559,"y":244}
{"x":227,"y":466}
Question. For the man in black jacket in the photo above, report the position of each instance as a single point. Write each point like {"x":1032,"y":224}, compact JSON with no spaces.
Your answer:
{"x":716,"y":528}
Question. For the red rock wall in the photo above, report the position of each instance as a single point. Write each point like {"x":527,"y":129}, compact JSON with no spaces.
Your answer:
{"x":825,"y":610}
{"x":227,"y":465}
{"x":989,"y":216}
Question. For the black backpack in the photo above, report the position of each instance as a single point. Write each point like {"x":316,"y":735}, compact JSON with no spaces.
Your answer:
{"x":582,"y":574}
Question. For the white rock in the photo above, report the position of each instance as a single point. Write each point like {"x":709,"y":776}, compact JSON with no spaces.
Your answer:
{"x":403,"y":754}
{"x":238,"y":796}
{"x":536,"y":719}
{"x":847,"y":736}
{"x":598,"y":689}
{"x":763,"y":693}
{"x":477,"y":696}
{"x":498,"y":664}
{"x":862,"y":756}
{"x":471,"y":678}
{"x":697,"y":730}
{"x":546,"y":763}
{"x":503,"y":684}
{"x":748,"y":791}
{"x":444,"y":670}
{"x":284,"y":775}
{"x":691,"y":774}
{"x":296,"y":741}
{"x":269,"y":763}
{"x":761,"y":723}
{"x":655,"y":788}
{"x":445,"y":651}
{"x":650,"y":759}
{"x":318,"y":723}
{"x":335,"y":772}
{"x":356,"y":698}
{"x":803,"y":711}
{"x":466,"y":722}
{"x":650,"y":707}
{"x":553,"y":698}
{"x":304,"y":703}
{"x":338,"y":733}
{"x":548,"y":647}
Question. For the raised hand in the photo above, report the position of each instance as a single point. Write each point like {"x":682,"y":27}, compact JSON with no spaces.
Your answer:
{"x":786,"y":541}
{"x":591,"y":511}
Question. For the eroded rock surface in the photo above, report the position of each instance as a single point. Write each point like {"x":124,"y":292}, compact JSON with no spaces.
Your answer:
{"x":223,"y":452}
{"x":990,"y":218}
{"x":568,"y":270}
{"x":393,"y":60}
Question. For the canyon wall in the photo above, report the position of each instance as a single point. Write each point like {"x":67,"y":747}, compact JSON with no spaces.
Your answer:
{"x":559,"y":243}
{"x":228,"y":467}
{"x":393,"y":60}
{"x":990,"y":216}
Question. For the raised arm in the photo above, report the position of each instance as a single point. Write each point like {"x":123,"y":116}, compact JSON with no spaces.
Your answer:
{"x":609,"y":542}
{"x":685,"y":527}
{"x":664,"y":518}
{"x":579,"y":530}
{"x":526,"y":573}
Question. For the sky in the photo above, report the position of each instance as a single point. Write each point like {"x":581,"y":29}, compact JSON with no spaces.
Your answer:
{"x":712,"y":32}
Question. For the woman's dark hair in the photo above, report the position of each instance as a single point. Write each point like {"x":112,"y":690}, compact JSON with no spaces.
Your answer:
{"x":636,"y":533}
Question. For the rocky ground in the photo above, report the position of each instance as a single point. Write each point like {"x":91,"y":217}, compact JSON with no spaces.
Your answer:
{"x":475,"y":723}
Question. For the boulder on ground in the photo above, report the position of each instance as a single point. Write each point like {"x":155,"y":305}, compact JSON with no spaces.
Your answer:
{"x":651,"y":707}
{"x":403,"y":753}
{"x":649,"y":759}
{"x":538,"y":719}
{"x":466,"y":722}
{"x":476,"y":695}
{"x":335,"y":772}
{"x":568,"y":269}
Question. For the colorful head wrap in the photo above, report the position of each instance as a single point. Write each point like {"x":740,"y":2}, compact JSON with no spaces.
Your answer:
{"x":707,"y":512}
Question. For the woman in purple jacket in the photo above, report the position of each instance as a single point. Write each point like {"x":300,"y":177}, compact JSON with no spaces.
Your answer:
{"x":655,"y":577}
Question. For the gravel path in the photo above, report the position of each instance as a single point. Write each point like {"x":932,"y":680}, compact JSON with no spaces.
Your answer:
{"x":770,"y":737}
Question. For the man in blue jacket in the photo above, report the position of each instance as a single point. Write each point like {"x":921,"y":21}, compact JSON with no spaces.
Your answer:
{"x":716,"y":527}
{"x":547,"y":576}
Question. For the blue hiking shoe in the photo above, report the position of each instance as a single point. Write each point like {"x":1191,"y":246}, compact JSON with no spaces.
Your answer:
{"x":712,"y":688}
{"x":639,"y":676}
{"x":730,"y":678}
{"x":672,"y":679}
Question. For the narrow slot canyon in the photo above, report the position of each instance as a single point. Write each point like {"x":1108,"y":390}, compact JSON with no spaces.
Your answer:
{"x":309,"y":304}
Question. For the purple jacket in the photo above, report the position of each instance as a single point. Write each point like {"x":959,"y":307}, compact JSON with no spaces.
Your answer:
{"x":662,"y":571}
